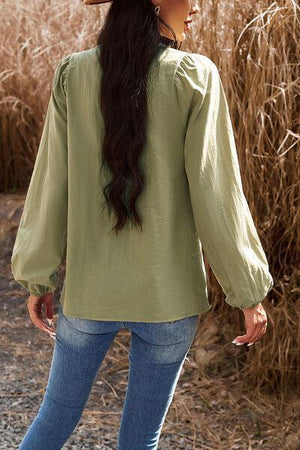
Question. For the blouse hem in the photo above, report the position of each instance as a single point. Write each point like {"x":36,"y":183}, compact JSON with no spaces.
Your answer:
{"x":99,"y":316}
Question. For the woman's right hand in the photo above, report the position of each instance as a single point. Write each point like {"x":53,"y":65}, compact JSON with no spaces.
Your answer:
{"x":256,"y":325}
{"x":35,"y":310}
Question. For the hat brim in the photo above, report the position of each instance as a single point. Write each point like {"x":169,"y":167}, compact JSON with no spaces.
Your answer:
{"x":95,"y":2}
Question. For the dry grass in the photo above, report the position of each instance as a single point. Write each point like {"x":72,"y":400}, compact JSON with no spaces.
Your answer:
{"x":256,"y":47}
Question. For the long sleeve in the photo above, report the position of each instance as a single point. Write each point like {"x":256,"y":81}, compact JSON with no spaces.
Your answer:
{"x":222,"y":216}
{"x":40,"y":242}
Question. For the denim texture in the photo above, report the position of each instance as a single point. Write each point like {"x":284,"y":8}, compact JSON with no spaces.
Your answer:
{"x":157,"y":354}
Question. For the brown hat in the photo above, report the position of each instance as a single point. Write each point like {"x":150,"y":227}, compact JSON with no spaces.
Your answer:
{"x":95,"y":2}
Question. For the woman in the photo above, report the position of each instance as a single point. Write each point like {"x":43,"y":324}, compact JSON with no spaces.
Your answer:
{"x":153,"y":142}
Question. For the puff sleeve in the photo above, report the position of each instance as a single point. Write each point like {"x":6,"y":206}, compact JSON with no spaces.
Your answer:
{"x":40,"y":242}
{"x":222,"y":216}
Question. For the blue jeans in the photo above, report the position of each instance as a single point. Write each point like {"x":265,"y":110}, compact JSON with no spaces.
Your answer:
{"x":156,"y":356}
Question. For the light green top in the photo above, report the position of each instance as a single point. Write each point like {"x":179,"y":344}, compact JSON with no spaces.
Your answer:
{"x":193,"y":199}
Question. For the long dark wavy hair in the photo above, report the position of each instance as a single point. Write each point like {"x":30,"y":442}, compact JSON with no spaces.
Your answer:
{"x":128,"y":42}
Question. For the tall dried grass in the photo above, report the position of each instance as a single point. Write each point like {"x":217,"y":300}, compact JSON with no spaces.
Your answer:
{"x":256,"y":47}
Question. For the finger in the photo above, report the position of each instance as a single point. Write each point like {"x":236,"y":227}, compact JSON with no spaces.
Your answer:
{"x":244,"y":339}
{"x":256,"y":335}
{"x":36,"y":315}
{"x":41,"y":324}
{"x":254,"y":331}
{"x":262,"y":332}
{"x":36,"y":310}
{"x":50,"y":324}
{"x":256,"y":339}
{"x":47,"y":330}
{"x":260,"y":328}
{"x":240,"y":340}
{"x":49,"y":308}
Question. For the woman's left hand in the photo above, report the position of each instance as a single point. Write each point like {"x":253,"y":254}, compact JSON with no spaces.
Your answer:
{"x":35,"y":309}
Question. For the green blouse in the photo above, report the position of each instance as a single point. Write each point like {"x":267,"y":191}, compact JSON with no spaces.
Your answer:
{"x":193,"y":199}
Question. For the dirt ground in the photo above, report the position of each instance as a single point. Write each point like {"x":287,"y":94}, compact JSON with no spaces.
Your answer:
{"x":210,"y":410}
